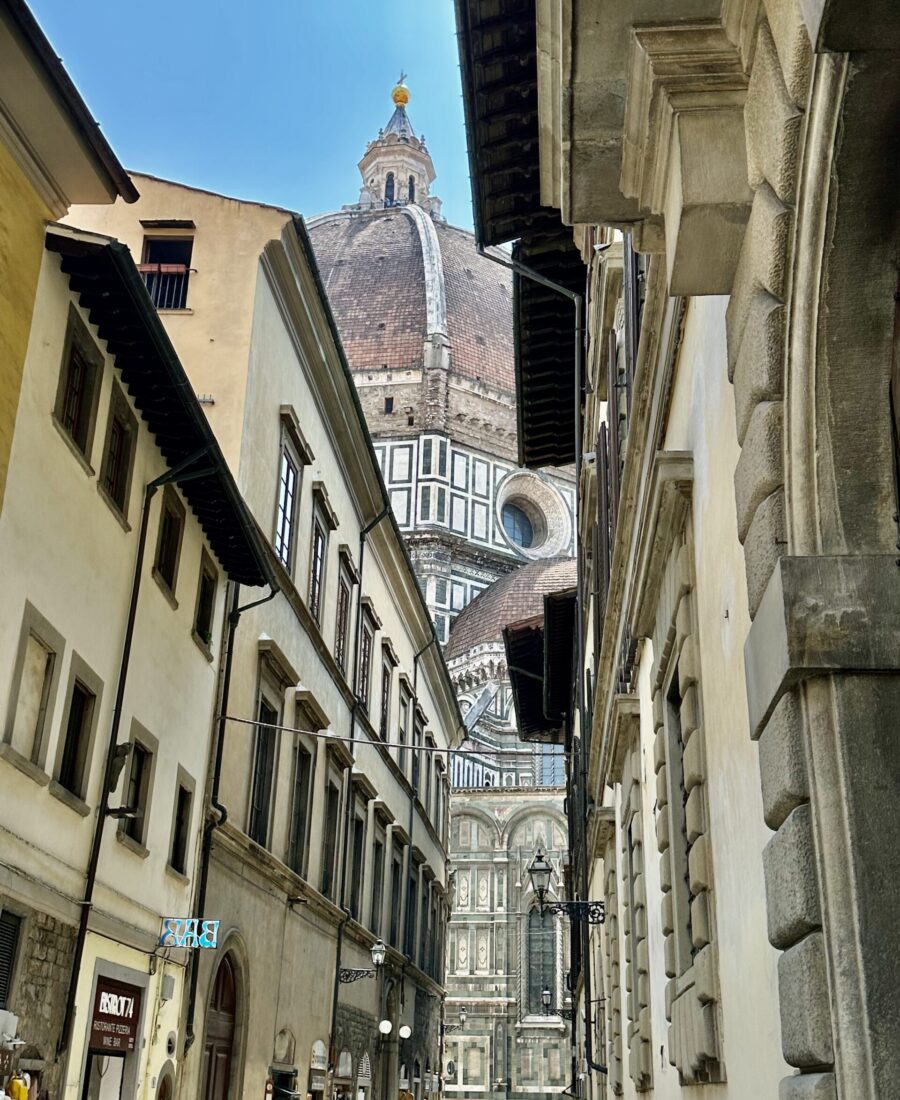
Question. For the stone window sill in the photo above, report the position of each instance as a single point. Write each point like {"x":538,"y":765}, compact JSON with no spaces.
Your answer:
{"x":165,"y":589}
{"x":26,"y":766}
{"x":73,"y":446}
{"x":69,"y":799}
{"x":114,"y":508}
{"x":203,"y":646}
{"x":131,"y":844}
{"x":180,"y":877}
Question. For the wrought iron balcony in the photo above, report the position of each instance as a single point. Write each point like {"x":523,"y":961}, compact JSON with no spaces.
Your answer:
{"x":167,"y":284}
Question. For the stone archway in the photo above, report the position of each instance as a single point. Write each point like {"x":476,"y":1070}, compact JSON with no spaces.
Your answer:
{"x":219,"y":1037}
{"x":810,"y":327}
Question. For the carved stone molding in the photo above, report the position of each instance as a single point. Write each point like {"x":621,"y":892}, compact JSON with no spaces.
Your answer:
{"x":623,"y":735}
{"x":684,"y":152}
{"x":672,"y":482}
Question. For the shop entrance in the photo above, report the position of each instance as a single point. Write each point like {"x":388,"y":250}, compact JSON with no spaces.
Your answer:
{"x":219,"y":1038}
{"x":113,"y":1040}
{"x":103,"y":1076}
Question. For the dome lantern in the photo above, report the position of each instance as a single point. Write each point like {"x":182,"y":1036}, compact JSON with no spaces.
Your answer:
{"x":397,"y":169}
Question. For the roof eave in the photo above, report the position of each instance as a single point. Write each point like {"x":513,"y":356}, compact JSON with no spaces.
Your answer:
{"x":178,"y":395}
{"x":69,"y":99}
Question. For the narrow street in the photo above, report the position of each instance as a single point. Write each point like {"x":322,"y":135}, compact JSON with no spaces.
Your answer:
{"x":451,"y":633}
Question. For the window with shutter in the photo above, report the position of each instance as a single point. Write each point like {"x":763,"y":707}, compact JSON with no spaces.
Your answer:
{"x":10,"y":928}
{"x":263,"y":773}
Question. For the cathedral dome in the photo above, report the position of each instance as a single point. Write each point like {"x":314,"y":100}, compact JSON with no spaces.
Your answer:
{"x":400,"y":281}
{"x":513,"y":598}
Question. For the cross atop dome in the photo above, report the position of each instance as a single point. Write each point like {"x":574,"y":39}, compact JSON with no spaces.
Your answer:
{"x":399,"y":122}
{"x":397,"y":169}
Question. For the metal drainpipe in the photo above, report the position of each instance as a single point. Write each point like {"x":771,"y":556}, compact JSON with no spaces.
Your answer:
{"x":348,"y":777}
{"x":578,"y":301}
{"x":221,"y":813}
{"x":175,"y":474}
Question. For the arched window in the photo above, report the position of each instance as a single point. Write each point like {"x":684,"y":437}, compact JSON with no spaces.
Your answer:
{"x":412,"y":189}
{"x":541,"y":958}
{"x":389,"y":190}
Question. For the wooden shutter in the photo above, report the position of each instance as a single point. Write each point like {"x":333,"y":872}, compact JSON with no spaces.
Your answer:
{"x":10,"y":926}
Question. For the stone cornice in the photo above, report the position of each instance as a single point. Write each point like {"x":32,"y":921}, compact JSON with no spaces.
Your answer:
{"x":601,"y":828}
{"x":684,"y":150}
{"x":624,"y":730}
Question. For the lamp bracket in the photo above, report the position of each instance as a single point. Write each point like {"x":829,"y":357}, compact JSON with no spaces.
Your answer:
{"x":347,"y":974}
{"x":594,"y":912}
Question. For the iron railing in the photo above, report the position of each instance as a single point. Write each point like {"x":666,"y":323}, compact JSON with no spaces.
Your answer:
{"x":167,"y":284}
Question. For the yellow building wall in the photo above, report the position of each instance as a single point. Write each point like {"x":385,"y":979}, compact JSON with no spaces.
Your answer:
{"x":23,"y":216}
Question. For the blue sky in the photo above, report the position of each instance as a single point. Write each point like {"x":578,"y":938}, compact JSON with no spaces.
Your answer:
{"x":272,"y":100}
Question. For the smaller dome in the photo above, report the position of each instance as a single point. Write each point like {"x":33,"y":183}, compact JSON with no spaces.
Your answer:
{"x":517,"y":596}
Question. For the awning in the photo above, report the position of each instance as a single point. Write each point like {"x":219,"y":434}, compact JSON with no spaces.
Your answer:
{"x":524,"y":643}
{"x":544,"y":332}
{"x":498,"y":62}
{"x":102,"y":273}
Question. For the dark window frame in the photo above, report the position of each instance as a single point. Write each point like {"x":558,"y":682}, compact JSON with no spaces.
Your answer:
{"x":304,"y":765}
{"x":74,"y":762}
{"x":182,"y":811}
{"x":137,"y":791}
{"x":357,"y":852}
{"x":265,"y":761}
{"x":318,"y":563}
{"x":331,"y":832}
{"x":377,"y":891}
{"x":287,"y":505}
{"x":388,"y":664}
{"x":12,"y":927}
{"x":169,"y":540}
{"x":168,"y":289}
{"x":367,"y":631}
{"x":346,"y":585}
{"x":75,"y":408}
{"x":396,"y":888}
{"x":117,"y":468}
{"x":207,"y":592}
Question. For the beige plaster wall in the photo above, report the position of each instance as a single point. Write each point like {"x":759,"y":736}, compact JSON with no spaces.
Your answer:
{"x":64,"y":549}
{"x":212,"y":336}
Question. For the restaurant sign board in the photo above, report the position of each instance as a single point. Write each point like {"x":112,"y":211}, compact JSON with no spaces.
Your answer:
{"x":116,"y":1016}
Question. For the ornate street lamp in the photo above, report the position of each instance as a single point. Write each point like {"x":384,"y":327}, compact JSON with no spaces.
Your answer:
{"x":540,"y":872}
{"x":456,"y":1027}
{"x":353,"y":974}
{"x":565,"y":1013}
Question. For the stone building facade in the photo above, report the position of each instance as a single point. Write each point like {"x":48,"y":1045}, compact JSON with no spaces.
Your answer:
{"x":328,"y":799}
{"x":718,"y":176}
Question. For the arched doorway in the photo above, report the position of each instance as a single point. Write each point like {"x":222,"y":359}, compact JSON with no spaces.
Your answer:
{"x":218,"y":1040}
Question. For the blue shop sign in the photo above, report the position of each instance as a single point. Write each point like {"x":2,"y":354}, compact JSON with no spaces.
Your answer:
{"x":189,"y":932}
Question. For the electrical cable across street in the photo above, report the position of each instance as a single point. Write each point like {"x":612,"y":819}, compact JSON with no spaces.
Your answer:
{"x":396,"y":745}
